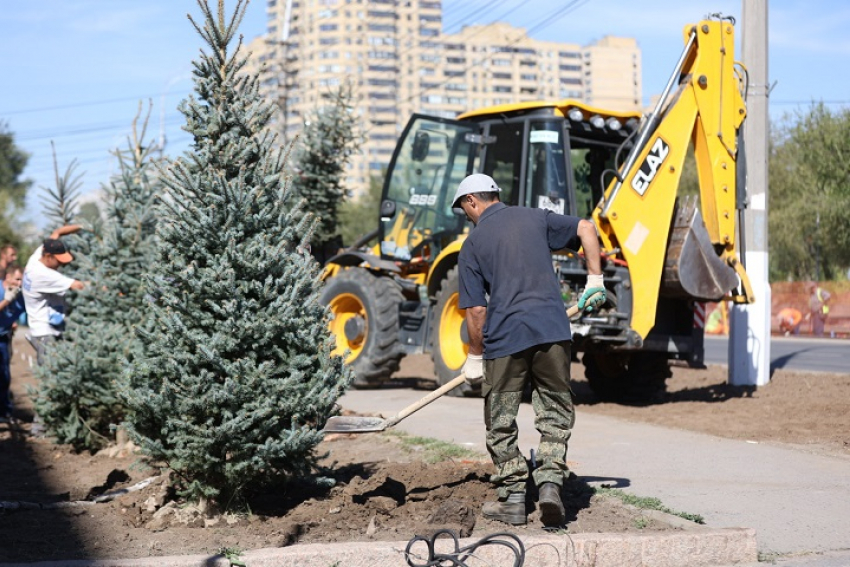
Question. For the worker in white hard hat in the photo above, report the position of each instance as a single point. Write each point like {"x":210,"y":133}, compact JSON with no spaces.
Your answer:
{"x":519,"y":334}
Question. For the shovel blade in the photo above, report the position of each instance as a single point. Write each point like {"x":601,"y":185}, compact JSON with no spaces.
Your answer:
{"x":354,"y":424}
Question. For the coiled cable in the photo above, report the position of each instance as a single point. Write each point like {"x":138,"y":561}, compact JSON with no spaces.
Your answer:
{"x":458,"y":556}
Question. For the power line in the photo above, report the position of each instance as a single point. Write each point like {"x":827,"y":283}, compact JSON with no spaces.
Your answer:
{"x":85,"y":129}
{"x":459,"y":22}
{"x":44,"y":160}
{"x":412,"y":46}
{"x":547,"y":20}
{"x":82,"y":104}
{"x":816,"y":101}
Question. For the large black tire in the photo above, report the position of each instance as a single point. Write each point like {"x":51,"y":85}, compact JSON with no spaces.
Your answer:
{"x":448,"y":347}
{"x":365,"y":323}
{"x":636,"y":378}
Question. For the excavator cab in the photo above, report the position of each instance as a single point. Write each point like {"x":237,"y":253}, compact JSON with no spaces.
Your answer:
{"x":431,"y":159}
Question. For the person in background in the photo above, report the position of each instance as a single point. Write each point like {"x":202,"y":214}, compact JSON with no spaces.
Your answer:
{"x":789,"y":321}
{"x":519,"y":335}
{"x":8,"y":255}
{"x":44,"y":289}
{"x":11,"y":307}
{"x":819,"y":308}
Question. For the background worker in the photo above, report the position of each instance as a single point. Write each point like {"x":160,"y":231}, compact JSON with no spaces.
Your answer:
{"x":789,"y":320}
{"x":11,"y":307}
{"x":8,"y":255}
{"x":44,"y":290}
{"x":519,"y":333}
{"x":819,"y":308}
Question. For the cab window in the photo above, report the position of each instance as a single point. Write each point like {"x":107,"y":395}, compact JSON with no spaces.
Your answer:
{"x":546,"y":170}
{"x":432,"y":160}
{"x":503,"y":159}
{"x":593,"y":169}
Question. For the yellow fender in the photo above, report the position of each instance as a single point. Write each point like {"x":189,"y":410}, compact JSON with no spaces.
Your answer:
{"x":445,"y":261}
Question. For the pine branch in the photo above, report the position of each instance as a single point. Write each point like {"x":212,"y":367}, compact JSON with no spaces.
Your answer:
{"x":63,"y":201}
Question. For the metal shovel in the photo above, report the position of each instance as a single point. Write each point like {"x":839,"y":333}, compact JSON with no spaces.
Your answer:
{"x":359,"y":424}
{"x":356,"y":424}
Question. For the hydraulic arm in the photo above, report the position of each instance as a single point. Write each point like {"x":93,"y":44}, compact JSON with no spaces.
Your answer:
{"x":679,"y":250}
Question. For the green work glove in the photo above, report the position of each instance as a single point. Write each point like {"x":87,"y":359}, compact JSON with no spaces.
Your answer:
{"x":594,"y":294}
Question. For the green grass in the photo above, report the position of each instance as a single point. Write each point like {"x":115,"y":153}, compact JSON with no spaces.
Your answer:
{"x":433,"y":450}
{"x":640,"y":522}
{"x":233,"y":555}
{"x":648,"y":503}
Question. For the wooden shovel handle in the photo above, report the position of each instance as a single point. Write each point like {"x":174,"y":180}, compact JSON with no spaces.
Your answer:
{"x":439,"y":392}
{"x":442,"y":390}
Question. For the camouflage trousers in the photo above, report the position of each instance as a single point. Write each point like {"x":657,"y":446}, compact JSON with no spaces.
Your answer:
{"x":547,"y":369}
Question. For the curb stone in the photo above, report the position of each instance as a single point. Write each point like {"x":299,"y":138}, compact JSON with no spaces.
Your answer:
{"x":692,"y":548}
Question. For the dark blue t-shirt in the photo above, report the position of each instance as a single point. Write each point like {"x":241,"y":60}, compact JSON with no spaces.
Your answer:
{"x":508,"y":257}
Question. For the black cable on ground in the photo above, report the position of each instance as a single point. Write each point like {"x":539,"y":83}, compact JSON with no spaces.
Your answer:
{"x":458,"y":557}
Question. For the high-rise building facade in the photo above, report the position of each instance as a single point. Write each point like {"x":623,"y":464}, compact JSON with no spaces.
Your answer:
{"x":400,"y":62}
{"x":612,"y":73}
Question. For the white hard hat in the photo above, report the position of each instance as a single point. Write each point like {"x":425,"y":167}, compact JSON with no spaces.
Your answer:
{"x":475,"y":183}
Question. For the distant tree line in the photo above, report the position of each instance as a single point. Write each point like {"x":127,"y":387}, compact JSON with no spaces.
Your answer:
{"x":13,"y":189}
{"x":809,"y":195}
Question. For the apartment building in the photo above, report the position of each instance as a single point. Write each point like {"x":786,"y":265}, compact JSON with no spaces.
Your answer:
{"x":612,"y":73}
{"x":400,"y":61}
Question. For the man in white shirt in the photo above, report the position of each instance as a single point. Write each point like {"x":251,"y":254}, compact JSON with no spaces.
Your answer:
{"x":44,"y":290}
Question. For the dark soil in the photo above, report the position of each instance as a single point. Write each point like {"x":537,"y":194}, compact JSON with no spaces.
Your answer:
{"x":384,"y":490}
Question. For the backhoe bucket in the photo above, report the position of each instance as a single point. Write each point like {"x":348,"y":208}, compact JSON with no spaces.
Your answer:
{"x":692,"y":268}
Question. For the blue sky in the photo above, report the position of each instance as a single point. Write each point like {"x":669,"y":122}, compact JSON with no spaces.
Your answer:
{"x":74,"y":70}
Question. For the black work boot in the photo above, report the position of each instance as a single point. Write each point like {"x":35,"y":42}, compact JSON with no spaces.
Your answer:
{"x":510,"y":511}
{"x":551,"y":507}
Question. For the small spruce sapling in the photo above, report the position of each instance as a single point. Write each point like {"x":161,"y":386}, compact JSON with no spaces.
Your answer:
{"x":322,"y":152}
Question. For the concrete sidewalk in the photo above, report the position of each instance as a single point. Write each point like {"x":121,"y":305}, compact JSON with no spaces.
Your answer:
{"x":797,"y":502}
{"x":697,"y":548}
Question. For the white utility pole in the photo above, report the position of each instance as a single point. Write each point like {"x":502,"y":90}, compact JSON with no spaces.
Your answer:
{"x":749,"y":333}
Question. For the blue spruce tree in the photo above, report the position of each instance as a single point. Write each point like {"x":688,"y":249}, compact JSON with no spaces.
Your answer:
{"x":324,"y":147}
{"x":237,"y":378}
{"x":78,"y":394}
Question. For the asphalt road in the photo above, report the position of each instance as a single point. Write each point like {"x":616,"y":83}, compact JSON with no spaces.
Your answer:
{"x":790,"y":353}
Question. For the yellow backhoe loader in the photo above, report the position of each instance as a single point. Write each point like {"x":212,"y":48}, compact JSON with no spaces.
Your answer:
{"x":663,"y":253}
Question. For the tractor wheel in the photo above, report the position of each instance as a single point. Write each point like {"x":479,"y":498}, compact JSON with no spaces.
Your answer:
{"x":637,"y":377}
{"x":448,"y":336}
{"x":365,"y":323}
